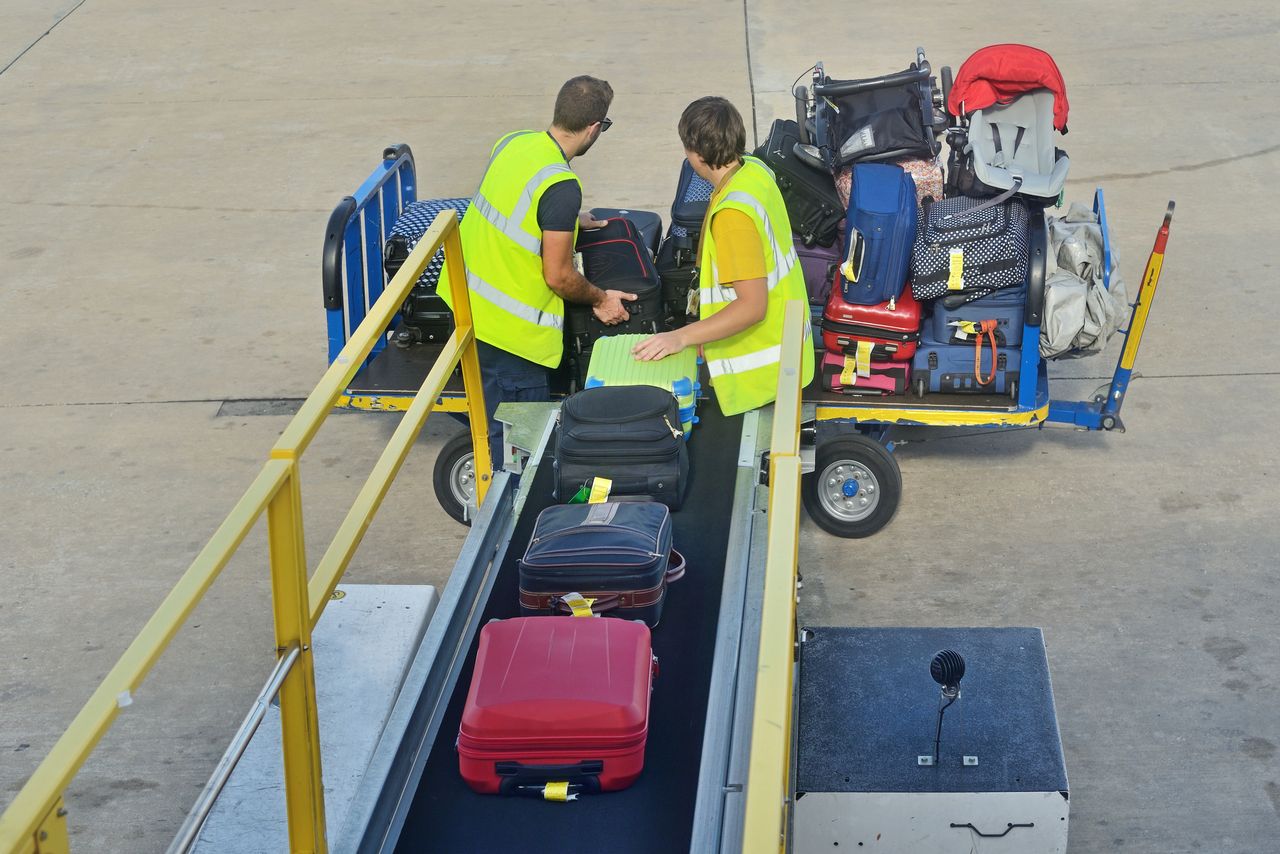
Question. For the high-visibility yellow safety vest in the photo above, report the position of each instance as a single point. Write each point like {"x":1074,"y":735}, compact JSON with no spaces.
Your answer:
{"x":511,"y":306}
{"x":744,"y":367}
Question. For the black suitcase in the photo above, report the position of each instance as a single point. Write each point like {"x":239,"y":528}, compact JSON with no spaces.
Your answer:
{"x":615,"y":258}
{"x":616,"y":553}
{"x":424,"y":317}
{"x":813,"y":204}
{"x":628,"y":434}
{"x":679,"y":276}
{"x":966,"y":249}
{"x":648,"y":223}
{"x":688,"y":210}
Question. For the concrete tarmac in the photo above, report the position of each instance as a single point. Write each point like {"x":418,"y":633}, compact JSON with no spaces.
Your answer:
{"x":167,"y":172}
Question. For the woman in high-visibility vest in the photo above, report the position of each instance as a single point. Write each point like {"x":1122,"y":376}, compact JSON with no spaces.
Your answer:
{"x":749,"y":268}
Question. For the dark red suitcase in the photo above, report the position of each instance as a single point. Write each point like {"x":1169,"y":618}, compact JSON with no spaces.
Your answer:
{"x":892,"y":328}
{"x":557,"y":699}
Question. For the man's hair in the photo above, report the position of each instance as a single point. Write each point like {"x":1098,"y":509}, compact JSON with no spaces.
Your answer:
{"x":582,"y":101}
{"x":712,"y":128}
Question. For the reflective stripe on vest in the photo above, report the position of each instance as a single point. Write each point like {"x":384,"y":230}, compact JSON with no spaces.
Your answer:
{"x":750,"y":361}
{"x":784,"y":257}
{"x":510,"y":304}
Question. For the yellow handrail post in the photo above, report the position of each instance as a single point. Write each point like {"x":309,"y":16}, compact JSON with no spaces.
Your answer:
{"x":768,"y":794}
{"x":299,"y":721}
{"x":465,"y":329}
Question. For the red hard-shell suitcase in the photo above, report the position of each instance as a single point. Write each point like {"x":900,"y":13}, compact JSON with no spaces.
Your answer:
{"x":892,"y":328}
{"x":557,"y":699}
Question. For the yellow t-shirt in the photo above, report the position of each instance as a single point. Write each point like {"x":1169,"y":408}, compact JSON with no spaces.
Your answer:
{"x":739,"y":255}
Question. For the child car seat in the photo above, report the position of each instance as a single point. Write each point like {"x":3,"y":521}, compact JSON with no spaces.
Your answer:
{"x":1011,"y":147}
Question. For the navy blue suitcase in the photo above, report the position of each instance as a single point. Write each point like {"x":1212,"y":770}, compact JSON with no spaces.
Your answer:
{"x":882,"y":220}
{"x":950,"y":368}
{"x":693,"y":195}
{"x":954,"y":325}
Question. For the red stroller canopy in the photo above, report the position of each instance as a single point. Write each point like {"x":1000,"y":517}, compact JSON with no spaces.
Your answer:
{"x":1000,"y":73}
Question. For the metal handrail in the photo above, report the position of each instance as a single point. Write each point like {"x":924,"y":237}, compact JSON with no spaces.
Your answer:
{"x":768,"y":787}
{"x":36,"y":819}
{"x":231,"y":757}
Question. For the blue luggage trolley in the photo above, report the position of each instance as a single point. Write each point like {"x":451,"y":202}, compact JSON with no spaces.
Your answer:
{"x":854,"y":486}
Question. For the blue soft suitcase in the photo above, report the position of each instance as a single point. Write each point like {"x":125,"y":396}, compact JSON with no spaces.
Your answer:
{"x":956,"y":325}
{"x":882,"y":220}
{"x":688,"y":210}
{"x":949,"y":368}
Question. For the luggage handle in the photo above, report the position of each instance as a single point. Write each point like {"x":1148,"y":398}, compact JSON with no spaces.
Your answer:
{"x":517,"y":778}
{"x":986,"y":329}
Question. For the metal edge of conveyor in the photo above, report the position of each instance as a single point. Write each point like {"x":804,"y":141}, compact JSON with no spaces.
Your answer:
{"x":386,"y":792}
{"x":739,"y":747}
{"x":708,"y":812}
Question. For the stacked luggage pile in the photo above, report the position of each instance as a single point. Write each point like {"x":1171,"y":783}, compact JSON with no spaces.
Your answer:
{"x":923,"y":283}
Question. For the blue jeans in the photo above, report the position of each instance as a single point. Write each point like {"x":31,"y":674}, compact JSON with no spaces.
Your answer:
{"x":508,"y":378}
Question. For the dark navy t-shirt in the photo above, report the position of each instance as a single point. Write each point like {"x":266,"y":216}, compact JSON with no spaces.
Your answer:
{"x":559,"y":206}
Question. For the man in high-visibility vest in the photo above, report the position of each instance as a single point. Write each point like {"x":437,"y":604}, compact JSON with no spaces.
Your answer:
{"x":518,"y":240}
{"x":749,"y":268}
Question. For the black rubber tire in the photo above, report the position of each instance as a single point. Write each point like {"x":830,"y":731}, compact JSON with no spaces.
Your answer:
{"x":1013,"y":389}
{"x":877,"y":460}
{"x":455,"y":452}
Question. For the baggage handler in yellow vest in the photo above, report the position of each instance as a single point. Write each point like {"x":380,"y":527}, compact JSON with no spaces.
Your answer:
{"x":518,"y":239}
{"x":749,"y":268}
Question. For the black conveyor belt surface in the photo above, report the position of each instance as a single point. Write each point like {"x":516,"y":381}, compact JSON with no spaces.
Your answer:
{"x":656,"y":813}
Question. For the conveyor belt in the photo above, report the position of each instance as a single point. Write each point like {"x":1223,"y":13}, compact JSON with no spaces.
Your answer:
{"x":655,"y":814}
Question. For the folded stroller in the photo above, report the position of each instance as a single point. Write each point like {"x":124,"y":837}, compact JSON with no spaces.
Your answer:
{"x":1006,"y":102}
{"x":879,"y":118}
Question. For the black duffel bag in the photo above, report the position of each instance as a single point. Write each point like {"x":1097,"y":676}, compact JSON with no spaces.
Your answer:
{"x":630,"y":435}
{"x":617,"y":554}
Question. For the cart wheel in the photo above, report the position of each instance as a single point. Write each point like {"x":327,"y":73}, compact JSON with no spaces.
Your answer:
{"x":854,"y":488}
{"x":454,"y":477}
{"x":1013,"y":389}
{"x":920,"y":387}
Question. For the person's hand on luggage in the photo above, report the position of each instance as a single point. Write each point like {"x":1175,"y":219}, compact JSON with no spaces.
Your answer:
{"x":659,"y":346}
{"x":610,"y":310}
{"x":588,"y":222}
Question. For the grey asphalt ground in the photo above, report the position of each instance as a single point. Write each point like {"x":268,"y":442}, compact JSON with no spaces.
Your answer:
{"x":166,"y":171}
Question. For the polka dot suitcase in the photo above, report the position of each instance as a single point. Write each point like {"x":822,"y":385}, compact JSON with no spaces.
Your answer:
{"x":970,"y":248}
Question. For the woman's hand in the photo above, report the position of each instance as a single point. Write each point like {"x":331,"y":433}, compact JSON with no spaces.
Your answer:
{"x":659,"y":346}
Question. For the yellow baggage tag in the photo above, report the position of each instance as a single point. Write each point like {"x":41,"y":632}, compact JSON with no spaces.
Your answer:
{"x":577,"y":263}
{"x":579,"y":604}
{"x":864,"y":358}
{"x":558,"y":792}
{"x":849,"y":374}
{"x":694,"y":300}
{"x":965,"y":329}
{"x":600,"y":487}
{"x":955,"y":277}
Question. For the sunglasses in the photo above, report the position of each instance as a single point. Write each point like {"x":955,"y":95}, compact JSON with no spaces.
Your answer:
{"x":605,"y":124}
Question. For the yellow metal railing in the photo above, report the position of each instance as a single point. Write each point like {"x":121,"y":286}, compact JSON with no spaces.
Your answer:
{"x":35,"y":823}
{"x":769,"y":767}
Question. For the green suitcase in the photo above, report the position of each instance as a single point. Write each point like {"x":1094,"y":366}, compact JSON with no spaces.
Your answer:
{"x":612,"y":364}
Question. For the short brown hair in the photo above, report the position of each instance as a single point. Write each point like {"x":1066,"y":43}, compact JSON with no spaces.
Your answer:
{"x":711,"y":128}
{"x":582,"y":101}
